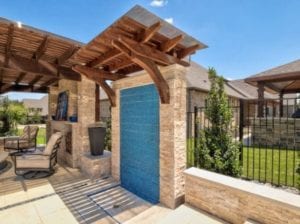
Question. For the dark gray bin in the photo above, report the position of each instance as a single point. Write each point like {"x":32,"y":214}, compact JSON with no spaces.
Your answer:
{"x":96,"y":136}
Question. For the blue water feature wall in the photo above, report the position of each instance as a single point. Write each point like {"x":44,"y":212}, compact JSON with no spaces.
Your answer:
{"x":139,"y":130}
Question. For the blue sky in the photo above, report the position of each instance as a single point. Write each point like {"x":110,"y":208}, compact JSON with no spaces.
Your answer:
{"x":244,"y":37}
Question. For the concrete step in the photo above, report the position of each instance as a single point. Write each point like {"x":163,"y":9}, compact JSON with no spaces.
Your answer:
{"x":152,"y":215}
{"x":186,"y":214}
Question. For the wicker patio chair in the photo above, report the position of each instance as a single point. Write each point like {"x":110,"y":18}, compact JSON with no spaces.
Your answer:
{"x":35,"y":165}
{"x":24,"y":142}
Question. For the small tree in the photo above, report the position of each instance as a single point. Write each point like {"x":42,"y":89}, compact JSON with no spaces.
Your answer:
{"x":11,"y":113}
{"x":215,"y":147}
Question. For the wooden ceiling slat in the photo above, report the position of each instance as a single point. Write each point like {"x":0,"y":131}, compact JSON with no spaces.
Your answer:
{"x":104,"y":58}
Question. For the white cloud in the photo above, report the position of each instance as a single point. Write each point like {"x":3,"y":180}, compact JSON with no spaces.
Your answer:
{"x":169,"y":20}
{"x":159,"y":3}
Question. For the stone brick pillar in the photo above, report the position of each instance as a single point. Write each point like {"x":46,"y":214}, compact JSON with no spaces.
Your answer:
{"x":172,"y":133}
{"x":86,"y":112}
{"x":52,"y":104}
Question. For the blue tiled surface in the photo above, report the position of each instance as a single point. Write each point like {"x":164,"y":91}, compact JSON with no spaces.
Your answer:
{"x":139,"y":115}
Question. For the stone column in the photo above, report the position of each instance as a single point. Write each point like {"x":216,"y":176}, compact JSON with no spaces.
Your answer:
{"x":172,"y":132}
{"x":52,"y":104}
{"x":86,"y":112}
{"x":173,"y":140}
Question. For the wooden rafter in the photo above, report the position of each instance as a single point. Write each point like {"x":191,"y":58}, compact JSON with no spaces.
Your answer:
{"x":96,"y":74}
{"x":120,"y":65}
{"x":171,"y":43}
{"x":20,"y":77}
{"x":21,"y":64}
{"x":150,"y":66}
{"x":41,"y":49}
{"x":148,"y":52}
{"x":8,"y":44}
{"x":148,"y":33}
{"x":50,"y":82}
{"x":104,"y":58}
{"x":35,"y":80}
{"x":66,"y":55}
{"x":187,"y":51}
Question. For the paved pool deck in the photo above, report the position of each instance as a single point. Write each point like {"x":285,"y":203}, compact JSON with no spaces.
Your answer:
{"x":69,"y":197}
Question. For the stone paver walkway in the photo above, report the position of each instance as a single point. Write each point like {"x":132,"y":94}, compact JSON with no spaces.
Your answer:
{"x":69,"y":197}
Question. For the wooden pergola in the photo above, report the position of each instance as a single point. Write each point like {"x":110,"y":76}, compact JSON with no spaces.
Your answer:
{"x":31,"y":60}
{"x":137,"y":41}
{"x":284,"y":79}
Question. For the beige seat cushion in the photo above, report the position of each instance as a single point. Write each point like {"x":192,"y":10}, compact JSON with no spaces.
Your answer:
{"x":51,"y":143}
{"x":32,"y":161}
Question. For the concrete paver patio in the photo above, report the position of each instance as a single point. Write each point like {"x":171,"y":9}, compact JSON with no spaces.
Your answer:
{"x":69,"y":197}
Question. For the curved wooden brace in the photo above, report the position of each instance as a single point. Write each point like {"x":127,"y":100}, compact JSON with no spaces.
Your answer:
{"x":152,"y":69}
{"x":100,"y":81}
{"x":109,"y":92}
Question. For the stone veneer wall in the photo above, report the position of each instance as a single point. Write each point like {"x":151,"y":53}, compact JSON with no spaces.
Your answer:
{"x":275,"y":131}
{"x":236,"y":200}
{"x":82,"y":103}
{"x":86,"y":112}
{"x":172,"y":133}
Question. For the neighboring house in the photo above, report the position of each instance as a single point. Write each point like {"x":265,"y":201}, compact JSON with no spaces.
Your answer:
{"x":198,"y":86}
{"x":37,"y":105}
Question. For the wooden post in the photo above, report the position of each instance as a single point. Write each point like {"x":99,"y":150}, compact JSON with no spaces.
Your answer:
{"x":281,"y":104}
{"x":261,"y":90}
{"x":97,"y":103}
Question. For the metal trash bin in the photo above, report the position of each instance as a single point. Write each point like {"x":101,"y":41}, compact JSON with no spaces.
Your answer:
{"x":96,"y":137}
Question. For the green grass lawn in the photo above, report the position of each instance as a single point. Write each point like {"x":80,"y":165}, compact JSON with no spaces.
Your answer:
{"x":265,"y":165}
{"x":41,"y":137}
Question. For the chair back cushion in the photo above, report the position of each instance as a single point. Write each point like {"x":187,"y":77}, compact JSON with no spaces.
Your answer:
{"x":29,"y":133}
{"x":52,"y":142}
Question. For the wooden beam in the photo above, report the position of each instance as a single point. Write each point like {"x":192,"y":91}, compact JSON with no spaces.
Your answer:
{"x":41,"y":67}
{"x":50,"y":82}
{"x":152,"y":69}
{"x":287,"y":91}
{"x":116,"y":66}
{"x":20,"y":77}
{"x":61,"y":72}
{"x":8,"y":44}
{"x":148,"y":33}
{"x":35,"y":80}
{"x":187,"y":51}
{"x":22,"y":88}
{"x":170,"y":44}
{"x":41,"y":49}
{"x":28,"y":65}
{"x":96,"y":74}
{"x":104,"y":58}
{"x":67,"y":54}
{"x":126,"y":44}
